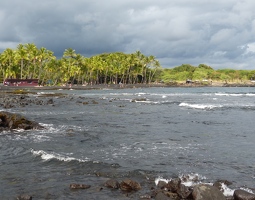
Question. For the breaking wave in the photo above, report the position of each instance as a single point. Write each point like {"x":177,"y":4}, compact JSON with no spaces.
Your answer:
{"x":56,"y":156}
{"x":200,"y":106}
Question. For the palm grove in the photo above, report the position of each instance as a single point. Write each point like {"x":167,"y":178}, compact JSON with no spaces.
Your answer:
{"x":28,"y":61}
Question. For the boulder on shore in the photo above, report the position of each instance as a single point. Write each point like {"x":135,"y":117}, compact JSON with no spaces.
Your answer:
{"x":207,"y":192}
{"x":9,"y":121}
{"x":243,"y":195}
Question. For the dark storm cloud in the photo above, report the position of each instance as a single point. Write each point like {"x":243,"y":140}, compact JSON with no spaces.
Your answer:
{"x":220,"y":34}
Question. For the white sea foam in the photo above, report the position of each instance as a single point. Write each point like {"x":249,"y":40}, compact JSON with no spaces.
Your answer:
{"x":187,"y":180}
{"x":195,"y":179}
{"x":140,"y":93}
{"x":40,"y":138}
{"x":226,"y":190}
{"x":247,"y":190}
{"x":235,"y":94}
{"x":161,"y":179}
{"x":192,"y":179}
{"x":250,"y":94}
{"x":45,"y":93}
{"x":199,"y":106}
{"x":61,"y":157}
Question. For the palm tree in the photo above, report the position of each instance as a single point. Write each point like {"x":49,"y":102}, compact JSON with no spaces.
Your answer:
{"x":80,"y":63}
{"x":32,"y":53}
{"x":7,"y":60}
{"x":141,"y":64}
{"x":44,"y":57}
{"x":21,"y":56}
{"x":69,"y":55}
{"x":152,"y":66}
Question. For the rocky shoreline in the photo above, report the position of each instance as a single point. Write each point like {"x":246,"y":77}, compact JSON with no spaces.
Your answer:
{"x":123,"y":86}
{"x":171,"y":190}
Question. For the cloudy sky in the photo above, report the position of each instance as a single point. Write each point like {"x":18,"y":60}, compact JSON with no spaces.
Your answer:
{"x":219,"y":33}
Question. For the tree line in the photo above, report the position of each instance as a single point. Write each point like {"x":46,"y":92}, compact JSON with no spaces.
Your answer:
{"x":29,"y":62}
{"x":205,"y":73}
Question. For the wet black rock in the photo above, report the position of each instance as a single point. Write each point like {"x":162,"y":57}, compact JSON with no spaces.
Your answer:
{"x":111,"y":183}
{"x":162,"y":196}
{"x":50,"y":101}
{"x":11,"y":121}
{"x":219,"y":184}
{"x":161,"y":184}
{"x":207,"y":192}
{"x":184,"y":192}
{"x":173,"y":185}
{"x":129,"y":185}
{"x":243,"y":195}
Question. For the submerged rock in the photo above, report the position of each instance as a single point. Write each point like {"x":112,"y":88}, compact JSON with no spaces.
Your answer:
{"x":141,"y":99}
{"x":112,"y":184}
{"x":79,"y":186}
{"x":24,"y":197}
{"x":16,"y":121}
{"x":129,"y":185}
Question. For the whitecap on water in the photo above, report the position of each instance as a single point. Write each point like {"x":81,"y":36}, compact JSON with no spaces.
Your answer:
{"x":45,"y":92}
{"x":234,"y":94}
{"x":250,"y":94}
{"x":53,"y":155}
{"x":200,"y":106}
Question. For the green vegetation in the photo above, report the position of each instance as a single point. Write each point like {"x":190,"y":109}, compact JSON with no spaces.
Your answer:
{"x":27,"y":61}
{"x":203,"y":73}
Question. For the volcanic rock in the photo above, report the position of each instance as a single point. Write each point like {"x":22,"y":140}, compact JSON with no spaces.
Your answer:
{"x":243,"y":195}
{"x":162,"y":196}
{"x":173,"y":185}
{"x":16,"y":121}
{"x":184,"y":192}
{"x":207,"y":192}
{"x":112,"y":184}
{"x":129,"y":185}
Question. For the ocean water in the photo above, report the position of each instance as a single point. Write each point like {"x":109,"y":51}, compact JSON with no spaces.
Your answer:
{"x":145,"y":134}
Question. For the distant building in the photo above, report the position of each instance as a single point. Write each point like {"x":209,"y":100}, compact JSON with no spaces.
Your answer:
{"x":21,"y":82}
